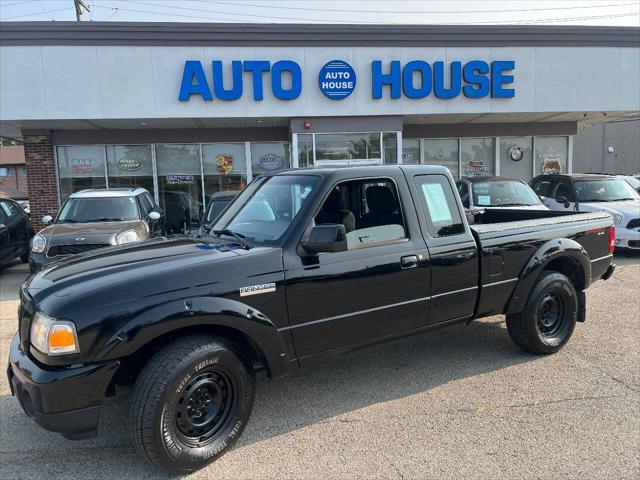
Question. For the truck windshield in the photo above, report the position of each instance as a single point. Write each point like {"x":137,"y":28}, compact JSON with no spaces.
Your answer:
{"x":605,"y":191}
{"x":503,"y":194}
{"x":265,"y":210}
{"x":100,"y":209}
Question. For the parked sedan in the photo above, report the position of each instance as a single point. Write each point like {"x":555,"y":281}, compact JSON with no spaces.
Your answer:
{"x":497,"y":192}
{"x":93,"y":219}
{"x":15,"y":232}
{"x":586,"y":192}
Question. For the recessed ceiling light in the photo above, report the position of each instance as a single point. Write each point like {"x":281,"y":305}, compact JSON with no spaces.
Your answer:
{"x":143,"y":123}
{"x":258,"y":121}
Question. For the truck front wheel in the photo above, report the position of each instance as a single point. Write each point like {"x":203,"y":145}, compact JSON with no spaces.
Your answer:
{"x":191,"y":402}
{"x":548,"y":317}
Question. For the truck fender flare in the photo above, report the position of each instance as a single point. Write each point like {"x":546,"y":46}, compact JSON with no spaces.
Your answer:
{"x":207,"y":312}
{"x":558,"y":249}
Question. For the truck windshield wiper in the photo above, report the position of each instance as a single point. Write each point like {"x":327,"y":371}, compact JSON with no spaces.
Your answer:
{"x":238,"y":236}
{"x":107,"y":219}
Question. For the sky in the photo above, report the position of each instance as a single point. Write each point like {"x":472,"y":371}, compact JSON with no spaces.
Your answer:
{"x":479,"y":12}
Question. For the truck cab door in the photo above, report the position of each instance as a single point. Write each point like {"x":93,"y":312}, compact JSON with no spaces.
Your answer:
{"x":378,"y":287}
{"x":452,"y":248}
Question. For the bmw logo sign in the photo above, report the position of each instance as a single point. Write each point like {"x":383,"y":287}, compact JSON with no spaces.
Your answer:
{"x":337,"y":79}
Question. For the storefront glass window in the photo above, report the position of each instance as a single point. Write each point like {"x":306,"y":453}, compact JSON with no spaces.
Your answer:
{"x":225,"y":169}
{"x":551,"y":155}
{"x":267,"y":157}
{"x":305,"y":150}
{"x":180,"y":185}
{"x":516,"y":157}
{"x":348,"y":146}
{"x":442,"y":152}
{"x":130,"y":166}
{"x":390,"y":145}
{"x":80,"y":167}
{"x":411,"y":151}
{"x":478,"y":156}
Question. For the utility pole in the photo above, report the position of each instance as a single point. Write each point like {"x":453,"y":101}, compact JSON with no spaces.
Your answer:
{"x":80,"y":5}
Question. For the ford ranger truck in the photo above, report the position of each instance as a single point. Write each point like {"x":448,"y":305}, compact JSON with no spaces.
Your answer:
{"x":300,"y":266}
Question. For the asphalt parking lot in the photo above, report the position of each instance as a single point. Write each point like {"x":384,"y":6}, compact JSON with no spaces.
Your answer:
{"x":463,"y":402}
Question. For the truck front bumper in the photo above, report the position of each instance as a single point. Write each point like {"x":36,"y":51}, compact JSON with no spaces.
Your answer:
{"x":66,"y":400}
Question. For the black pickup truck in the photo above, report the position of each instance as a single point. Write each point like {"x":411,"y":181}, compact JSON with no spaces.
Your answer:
{"x":301,"y":265}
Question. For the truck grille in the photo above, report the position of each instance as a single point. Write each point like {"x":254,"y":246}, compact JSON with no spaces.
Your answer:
{"x":635,"y":223}
{"x":58,"y":250}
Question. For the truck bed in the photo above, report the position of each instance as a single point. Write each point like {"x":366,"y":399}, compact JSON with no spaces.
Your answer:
{"x":508,"y":240}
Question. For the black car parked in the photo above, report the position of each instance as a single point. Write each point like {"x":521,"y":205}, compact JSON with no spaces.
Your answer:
{"x":302,"y":265}
{"x":15,"y":232}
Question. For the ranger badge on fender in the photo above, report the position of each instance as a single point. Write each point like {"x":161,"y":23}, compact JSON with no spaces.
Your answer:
{"x":256,"y":289}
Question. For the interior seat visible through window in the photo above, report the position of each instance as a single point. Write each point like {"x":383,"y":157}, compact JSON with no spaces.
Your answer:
{"x":368,"y":209}
{"x":334,"y":212}
{"x":383,"y":208}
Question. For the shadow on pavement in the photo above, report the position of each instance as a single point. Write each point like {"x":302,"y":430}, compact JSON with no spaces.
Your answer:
{"x":344,"y":384}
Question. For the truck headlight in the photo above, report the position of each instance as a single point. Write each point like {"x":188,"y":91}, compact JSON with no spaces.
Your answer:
{"x":38,"y":244}
{"x":53,"y":337}
{"x":617,"y":219}
{"x":127,"y":237}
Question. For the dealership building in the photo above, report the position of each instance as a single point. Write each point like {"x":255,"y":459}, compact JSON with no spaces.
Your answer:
{"x":203,"y":108}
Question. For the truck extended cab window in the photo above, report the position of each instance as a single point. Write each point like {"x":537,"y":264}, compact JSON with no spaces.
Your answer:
{"x":443,"y":216}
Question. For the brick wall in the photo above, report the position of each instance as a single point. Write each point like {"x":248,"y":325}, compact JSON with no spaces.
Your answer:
{"x":41,"y":177}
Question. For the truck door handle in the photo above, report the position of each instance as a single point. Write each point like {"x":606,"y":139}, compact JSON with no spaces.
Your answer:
{"x":410,"y":261}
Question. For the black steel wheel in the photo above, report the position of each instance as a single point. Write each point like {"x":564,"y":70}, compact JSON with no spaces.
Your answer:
{"x":549,"y":316}
{"x":204,"y":407}
{"x":191,"y":403}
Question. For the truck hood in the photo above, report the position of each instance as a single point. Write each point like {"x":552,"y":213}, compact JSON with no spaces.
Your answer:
{"x":88,"y":233}
{"x":135,"y":270}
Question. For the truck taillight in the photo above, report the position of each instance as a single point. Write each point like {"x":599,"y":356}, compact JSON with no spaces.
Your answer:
{"x":612,"y":237}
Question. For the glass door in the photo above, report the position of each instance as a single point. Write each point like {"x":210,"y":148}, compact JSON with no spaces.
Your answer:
{"x":180,"y":186}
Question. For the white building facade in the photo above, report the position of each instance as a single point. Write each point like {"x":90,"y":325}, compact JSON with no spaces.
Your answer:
{"x":203,"y":108}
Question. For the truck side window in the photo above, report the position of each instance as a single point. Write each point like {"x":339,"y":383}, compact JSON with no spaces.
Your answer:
{"x":442,"y":213}
{"x":368,"y":209}
{"x":542,"y":187}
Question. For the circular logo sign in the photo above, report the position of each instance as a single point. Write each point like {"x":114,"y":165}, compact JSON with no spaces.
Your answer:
{"x":129,"y":163}
{"x":515,"y":153}
{"x":271,"y":161}
{"x":337,"y":79}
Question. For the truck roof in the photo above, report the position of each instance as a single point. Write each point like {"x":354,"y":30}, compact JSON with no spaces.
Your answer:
{"x":357,"y":171}
{"x":108,"y":192}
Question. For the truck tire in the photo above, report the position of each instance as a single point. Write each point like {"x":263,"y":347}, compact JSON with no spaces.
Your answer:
{"x":191,"y":402}
{"x":549,"y":316}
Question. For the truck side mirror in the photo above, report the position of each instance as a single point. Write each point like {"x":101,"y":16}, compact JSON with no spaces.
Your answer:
{"x":154,"y":216}
{"x":564,"y":200}
{"x":47,"y":219}
{"x":326,"y":238}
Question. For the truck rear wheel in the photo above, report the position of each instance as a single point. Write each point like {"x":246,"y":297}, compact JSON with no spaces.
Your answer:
{"x":191,"y":402}
{"x":549,"y":316}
